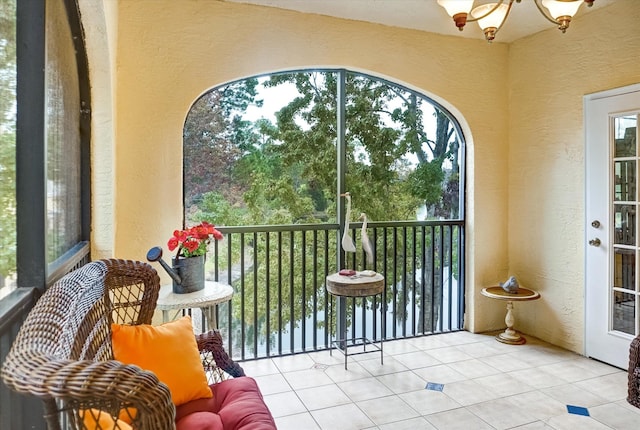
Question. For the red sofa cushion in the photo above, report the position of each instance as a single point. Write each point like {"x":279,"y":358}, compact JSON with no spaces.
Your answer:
{"x":200,"y":421}
{"x":236,"y":403}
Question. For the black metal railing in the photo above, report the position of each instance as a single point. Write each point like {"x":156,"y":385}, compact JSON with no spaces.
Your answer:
{"x":281,"y":305}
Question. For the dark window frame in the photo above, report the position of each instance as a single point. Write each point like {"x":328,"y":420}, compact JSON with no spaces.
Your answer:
{"x":33,"y":269}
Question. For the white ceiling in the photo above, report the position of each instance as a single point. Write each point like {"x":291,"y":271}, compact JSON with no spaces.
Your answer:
{"x":425,"y":15}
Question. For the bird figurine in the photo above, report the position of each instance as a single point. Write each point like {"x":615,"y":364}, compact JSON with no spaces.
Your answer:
{"x":511,"y":285}
{"x":366,"y":243}
{"x":347,"y":241}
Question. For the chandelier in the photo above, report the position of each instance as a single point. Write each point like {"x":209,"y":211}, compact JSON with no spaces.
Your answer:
{"x":491,"y":16}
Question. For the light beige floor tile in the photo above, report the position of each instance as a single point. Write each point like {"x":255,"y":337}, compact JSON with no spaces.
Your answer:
{"x":307,"y":378}
{"x":412,"y":424}
{"x":297,"y":422}
{"x":534,"y":426}
{"x":462,"y":337}
{"x":571,"y":394}
{"x":539,"y":404}
{"x":449,"y":354}
{"x":259,"y":367}
{"x":339,"y":374}
{"x":479,"y":349}
{"x":503,"y":348}
{"x":428,"y":402}
{"x":416,"y":360}
{"x":616,"y":416}
{"x":506,"y":362}
{"x":403,"y":382}
{"x":364,"y":389}
{"x":384,"y":410}
{"x":427,"y":342}
{"x":271,"y":384}
{"x":441,"y":374}
{"x":468,"y":392}
{"x":629,"y":406}
{"x":596,"y":367}
{"x":345,"y":417}
{"x":575,"y":422}
{"x":487,"y":384}
{"x":390,"y":365}
{"x":283,"y":404}
{"x":395,"y":347}
{"x":540,"y":356}
{"x":612,"y":387}
{"x":502,"y":414}
{"x":504,"y":384}
{"x":569,"y":371}
{"x":290,"y":363}
{"x":538,"y":378}
{"x":326,"y":358}
{"x":558,"y":353}
{"x":457,"y":419}
{"x":322,"y":397}
{"x":473,"y":368}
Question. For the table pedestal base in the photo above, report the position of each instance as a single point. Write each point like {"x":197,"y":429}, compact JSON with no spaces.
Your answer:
{"x":510,"y":336}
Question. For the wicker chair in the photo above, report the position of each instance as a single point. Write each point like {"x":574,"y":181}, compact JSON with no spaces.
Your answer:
{"x":63,"y":353}
{"x":634,"y":373}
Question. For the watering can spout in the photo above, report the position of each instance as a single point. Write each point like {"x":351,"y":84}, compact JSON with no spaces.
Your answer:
{"x":155,"y":254}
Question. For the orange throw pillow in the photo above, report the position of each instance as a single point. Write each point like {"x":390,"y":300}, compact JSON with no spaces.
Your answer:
{"x":97,"y":419}
{"x":168,"y":350}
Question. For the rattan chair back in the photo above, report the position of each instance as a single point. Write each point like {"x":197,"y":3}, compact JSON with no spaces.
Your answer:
{"x":63,"y":355}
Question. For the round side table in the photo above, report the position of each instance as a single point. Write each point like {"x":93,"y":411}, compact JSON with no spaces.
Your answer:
{"x":206,"y":299}
{"x":510,"y":335}
{"x":357,"y":285}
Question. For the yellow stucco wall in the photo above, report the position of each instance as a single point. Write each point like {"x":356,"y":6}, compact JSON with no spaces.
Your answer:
{"x":168,"y":53}
{"x":547,"y":160}
{"x":171,"y":52}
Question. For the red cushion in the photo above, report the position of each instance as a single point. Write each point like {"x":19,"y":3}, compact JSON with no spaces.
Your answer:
{"x":238,"y":402}
{"x":200,"y":421}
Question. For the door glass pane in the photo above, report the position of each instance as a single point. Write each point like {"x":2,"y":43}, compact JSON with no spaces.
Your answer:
{"x":625,"y":269}
{"x":624,"y":312}
{"x":625,"y":224}
{"x":625,"y":181}
{"x":625,"y":135}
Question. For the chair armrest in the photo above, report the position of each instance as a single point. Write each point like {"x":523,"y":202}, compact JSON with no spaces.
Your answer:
{"x":217,"y":363}
{"x":106,"y":385}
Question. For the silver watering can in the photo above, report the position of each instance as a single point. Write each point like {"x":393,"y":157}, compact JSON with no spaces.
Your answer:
{"x":187,"y":273}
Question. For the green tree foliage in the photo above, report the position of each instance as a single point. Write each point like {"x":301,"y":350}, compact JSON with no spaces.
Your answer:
{"x":7,"y":139}
{"x":216,"y":138}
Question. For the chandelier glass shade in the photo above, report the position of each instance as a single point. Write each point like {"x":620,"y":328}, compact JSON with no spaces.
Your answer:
{"x":492,"y":16}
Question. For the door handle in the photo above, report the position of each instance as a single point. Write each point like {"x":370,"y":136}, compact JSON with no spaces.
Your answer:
{"x":594,"y":242}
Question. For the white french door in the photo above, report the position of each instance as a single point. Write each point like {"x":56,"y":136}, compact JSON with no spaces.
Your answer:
{"x":612,"y":249}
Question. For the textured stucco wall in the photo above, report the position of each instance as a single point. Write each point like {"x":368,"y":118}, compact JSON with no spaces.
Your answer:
{"x":171,"y":52}
{"x":601,"y":50}
{"x":100,"y":26}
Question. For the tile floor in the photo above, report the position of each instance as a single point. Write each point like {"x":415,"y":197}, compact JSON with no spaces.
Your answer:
{"x":474,"y":382}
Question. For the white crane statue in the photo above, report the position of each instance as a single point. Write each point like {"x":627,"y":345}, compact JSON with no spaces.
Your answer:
{"x":347,"y":241}
{"x":366,"y":243}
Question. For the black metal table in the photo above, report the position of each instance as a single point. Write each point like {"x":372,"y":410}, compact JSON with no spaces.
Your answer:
{"x":358,"y":285}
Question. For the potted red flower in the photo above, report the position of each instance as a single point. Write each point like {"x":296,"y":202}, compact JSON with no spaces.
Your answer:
{"x":188,"y":263}
{"x":193,"y":241}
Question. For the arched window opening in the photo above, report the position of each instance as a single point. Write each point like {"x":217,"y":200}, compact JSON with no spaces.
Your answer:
{"x":263,"y":151}
{"x":266,"y":160}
